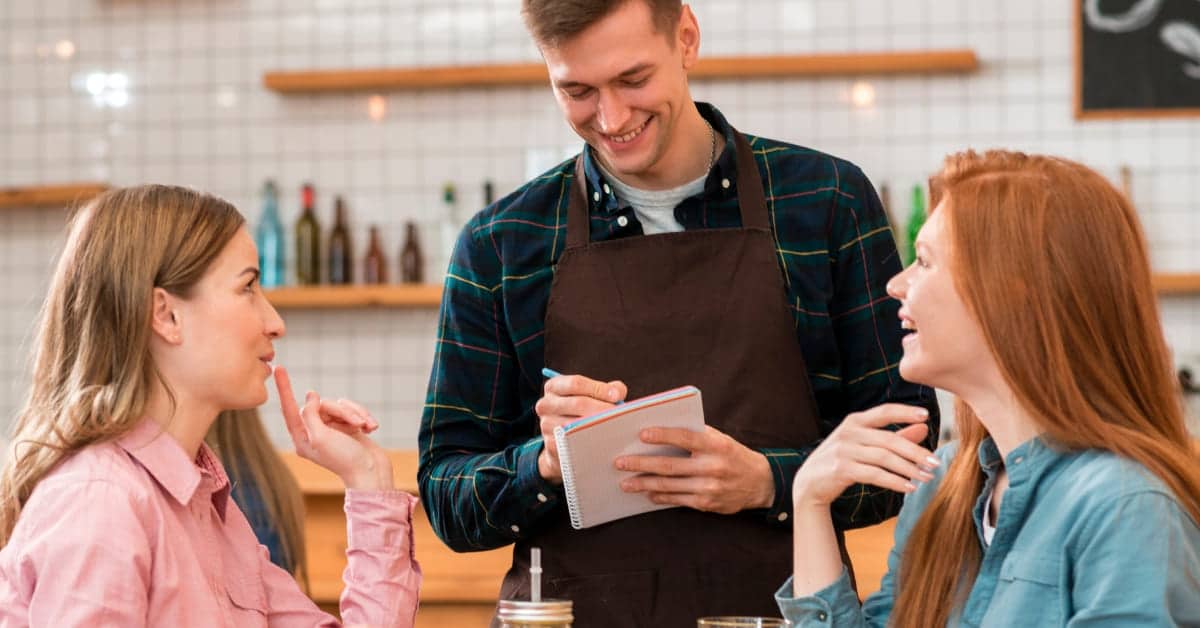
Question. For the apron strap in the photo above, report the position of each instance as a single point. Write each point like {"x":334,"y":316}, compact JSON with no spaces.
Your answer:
{"x":751,"y":199}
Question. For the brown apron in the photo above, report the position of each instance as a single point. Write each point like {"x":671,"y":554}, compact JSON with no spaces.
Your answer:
{"x":704,"y":307}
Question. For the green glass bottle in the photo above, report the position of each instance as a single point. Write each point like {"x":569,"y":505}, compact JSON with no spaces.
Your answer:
{"x":916,"y":218}
{"x":308,"y":242}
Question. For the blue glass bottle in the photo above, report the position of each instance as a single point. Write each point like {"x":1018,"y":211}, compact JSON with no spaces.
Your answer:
{"x":269,"y":239}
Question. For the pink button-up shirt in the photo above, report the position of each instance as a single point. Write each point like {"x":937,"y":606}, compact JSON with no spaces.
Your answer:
{"x":135,"y":533}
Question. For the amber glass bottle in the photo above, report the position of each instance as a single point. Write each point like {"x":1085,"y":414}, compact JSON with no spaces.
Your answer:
{"x":341,"y":256}
{"x":375,"y":264}
{"x":412,"y":261}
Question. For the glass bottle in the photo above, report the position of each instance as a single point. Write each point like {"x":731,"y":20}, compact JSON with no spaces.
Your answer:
{"x":449,"y":220}
{"x":374,"y":264}
{"x":916,"y":218}
{"x":268,"y":237}
{"x":412,"y":262}
{"x":308,"y":241}
{"x":341,"y":256}
{"x":489,"y":193}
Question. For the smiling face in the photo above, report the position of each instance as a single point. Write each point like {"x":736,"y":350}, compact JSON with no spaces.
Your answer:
{"x":622,"y":85}
{"x":945,"y":347}
{"x":226,"y":331}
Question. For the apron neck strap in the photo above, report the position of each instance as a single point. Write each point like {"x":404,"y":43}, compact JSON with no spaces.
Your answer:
{"x":751,"y":199}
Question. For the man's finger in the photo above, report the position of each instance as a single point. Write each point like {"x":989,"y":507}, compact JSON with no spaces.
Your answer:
{"x":681,"y":437}
{"x":673,"y":466}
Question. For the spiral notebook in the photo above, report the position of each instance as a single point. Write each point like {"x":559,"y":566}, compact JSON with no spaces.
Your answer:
{"x":588,"y":447}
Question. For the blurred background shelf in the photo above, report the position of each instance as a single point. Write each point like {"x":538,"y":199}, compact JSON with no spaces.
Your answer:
{"x":60,"y":195}
{"x":1177,"y":283}
{"x":347,"y":297}
{"x":958,"y":61}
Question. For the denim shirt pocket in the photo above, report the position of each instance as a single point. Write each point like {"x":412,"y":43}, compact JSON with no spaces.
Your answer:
{"x":1029,"y":591}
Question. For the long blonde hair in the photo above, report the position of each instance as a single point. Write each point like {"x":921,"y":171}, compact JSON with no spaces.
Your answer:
{"x":92,"y":369}
{"x":1051,"y":261}
{"x":239,"y":439}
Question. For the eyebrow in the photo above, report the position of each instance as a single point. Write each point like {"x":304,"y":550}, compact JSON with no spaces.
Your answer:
{"x":637,"y":69}
{"x":252,"y":270}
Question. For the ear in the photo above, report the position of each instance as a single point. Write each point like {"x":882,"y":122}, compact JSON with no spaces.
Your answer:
{"x":165,"y":319}
{"x":688,"y":37}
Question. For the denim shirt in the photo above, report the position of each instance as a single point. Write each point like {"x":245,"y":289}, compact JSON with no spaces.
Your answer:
{"x":1082,"y":539}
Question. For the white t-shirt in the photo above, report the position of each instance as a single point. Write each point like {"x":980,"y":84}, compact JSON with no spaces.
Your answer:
{"x":989,"y":527}
{"x":654,"y":208}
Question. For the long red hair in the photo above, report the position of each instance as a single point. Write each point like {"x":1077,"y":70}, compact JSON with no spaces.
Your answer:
{"x":1051,"y":261}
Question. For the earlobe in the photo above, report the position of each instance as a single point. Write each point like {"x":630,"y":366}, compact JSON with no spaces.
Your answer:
{"x":165,"y":320}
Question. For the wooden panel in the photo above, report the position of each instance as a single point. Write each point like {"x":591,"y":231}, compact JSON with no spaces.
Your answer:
{"x":317,"y":480}
{"x":912,"y":62}
{"x":341,"y":297}
{"x":869,"y":548}
{"x":65,"y":195}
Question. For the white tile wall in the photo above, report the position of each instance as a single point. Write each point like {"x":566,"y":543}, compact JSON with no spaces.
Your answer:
{"x":194,"y":113}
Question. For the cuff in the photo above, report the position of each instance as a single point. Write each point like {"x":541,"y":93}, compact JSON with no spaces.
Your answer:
{"x":835,"y":605}
{"x":784,"y":464}
{"x":379,"y":519}
{"x":537,"y":496}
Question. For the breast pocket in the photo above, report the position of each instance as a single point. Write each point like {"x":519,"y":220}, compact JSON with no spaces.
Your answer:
{"x":248,"y":602}
{"x":1029,"y":592}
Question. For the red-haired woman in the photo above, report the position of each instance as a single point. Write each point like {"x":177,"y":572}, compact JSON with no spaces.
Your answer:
{"x":1072,"y":496}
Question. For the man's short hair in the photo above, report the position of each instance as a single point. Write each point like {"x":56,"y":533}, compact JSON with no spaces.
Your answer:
{"x":551,"y":22}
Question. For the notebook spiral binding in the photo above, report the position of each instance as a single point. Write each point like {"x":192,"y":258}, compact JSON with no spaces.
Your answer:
{"x":568,"y":475}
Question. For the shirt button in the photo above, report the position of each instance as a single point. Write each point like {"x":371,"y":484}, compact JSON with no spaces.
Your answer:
{"x":1018,"y":459}
{"x":542,"y":498}
{"x":725,"y":183}
{"x":596,"y":196}
{"x":822,"y":616}
{"x":622,"y":221}
{"x":782,"y":516}
{"x":607,"y":190}
{"x":516,"y":529}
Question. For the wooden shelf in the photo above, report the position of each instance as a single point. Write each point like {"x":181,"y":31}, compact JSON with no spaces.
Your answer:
{"x":63,"y":195}
{"x":331,"y":297}
{"x":776,"y":66}
{"x":1177,"y":283}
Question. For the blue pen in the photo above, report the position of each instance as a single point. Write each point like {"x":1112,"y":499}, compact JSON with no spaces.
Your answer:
{"x":548,"y":373}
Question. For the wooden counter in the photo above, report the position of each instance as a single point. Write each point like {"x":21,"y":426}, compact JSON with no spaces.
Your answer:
{"x":461,"y":589}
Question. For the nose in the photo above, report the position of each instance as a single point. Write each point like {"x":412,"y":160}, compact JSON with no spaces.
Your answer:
{"x":897,"y":286}
{"x":611,"y":112}
{"x":273,"y":322}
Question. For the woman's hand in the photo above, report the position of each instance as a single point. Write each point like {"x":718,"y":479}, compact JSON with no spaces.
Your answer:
{"x":333,"y":434}
{"x":861,"y":451}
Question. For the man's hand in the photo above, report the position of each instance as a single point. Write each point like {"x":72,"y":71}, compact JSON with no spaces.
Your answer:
{"x":565,"y":399}
{"x":721,"y":475}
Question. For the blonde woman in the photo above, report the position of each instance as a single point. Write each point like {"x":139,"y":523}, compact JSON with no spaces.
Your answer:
{"x":1072,"y":497}
{"x":113,"y":511}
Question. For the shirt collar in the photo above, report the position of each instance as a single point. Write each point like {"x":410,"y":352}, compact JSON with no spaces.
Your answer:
{"x":1025,"y":461}
{"x":166,"y":461}
{"x":602,"y":198}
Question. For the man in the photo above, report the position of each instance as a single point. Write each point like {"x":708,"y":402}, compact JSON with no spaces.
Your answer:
{"x":672,"y":251}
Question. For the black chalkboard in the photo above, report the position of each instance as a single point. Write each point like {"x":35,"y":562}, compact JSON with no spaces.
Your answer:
{"x":1137,"y":57}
